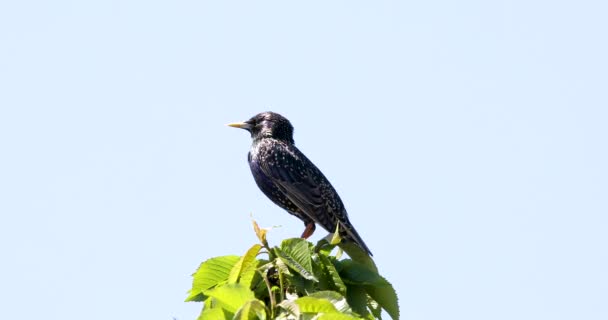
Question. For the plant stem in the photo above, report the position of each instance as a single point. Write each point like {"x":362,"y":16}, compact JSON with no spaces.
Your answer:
{"x":270,"y":294}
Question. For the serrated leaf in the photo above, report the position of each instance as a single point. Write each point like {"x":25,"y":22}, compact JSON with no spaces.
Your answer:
{"x":282,"y":267}
{"x":386,"y":297}
{"x":333,"y":274}
{"x":357,"y":273}
{"x":290,"y":308}
{"x":357,"y":254}
{"x":315,"y":305}
{"x":253,"y":309}
{"x":230,"y":296}
{"x":374,"y":284}
{"x":244,"y":270}
{"x":357,"y":299}
{"x":212,"y":314}
{"x":335,"y":298}
{"x":300,"y":250}
{"x":296,"y":254}
{"x":209,"y":274}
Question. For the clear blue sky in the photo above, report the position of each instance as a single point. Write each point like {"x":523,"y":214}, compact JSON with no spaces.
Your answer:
{"x":468,"y":140}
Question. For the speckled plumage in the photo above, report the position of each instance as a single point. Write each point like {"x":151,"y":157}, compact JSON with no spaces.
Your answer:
{"x":291,"y":181}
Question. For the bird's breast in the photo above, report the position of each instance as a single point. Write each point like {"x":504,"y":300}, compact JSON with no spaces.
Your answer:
{"x":262,"y":180}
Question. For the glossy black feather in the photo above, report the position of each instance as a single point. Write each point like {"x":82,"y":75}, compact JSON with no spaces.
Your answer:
{"x":291,"y":180}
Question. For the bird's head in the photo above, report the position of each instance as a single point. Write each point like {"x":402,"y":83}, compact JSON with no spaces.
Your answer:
{"x":267,"y":125}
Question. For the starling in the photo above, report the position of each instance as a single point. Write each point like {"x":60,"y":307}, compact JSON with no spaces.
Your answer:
{"x":291,"y":181}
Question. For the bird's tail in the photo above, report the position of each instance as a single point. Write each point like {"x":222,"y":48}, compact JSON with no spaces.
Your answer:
{"x":348,"y":233}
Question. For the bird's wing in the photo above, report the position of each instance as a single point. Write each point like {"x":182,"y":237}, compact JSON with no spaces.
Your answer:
{"x":304,"y":184}
{"x":292,"y":173}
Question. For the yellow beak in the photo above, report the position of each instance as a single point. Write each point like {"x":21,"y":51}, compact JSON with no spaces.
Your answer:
{"x":242,"y":125}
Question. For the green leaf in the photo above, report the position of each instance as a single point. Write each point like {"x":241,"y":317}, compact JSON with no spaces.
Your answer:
{"x":335,"y":298}
{"x":296,"y":284}
{"x":249,"y":270}
{"x":308,"y":304}
{"x":253,"y":309}
{"x":208,"y":303}
{"x":386,"y":297}
{"x":315,"y":305}
{"x":230,"y":296}
{"x":374,"y":284}
{"x":296,"y":254}
{"x":375,"y":308}
{"x":258,"y":285}
{"x":282,"y":267}
{"x":325,"y":281}
{"x":209,"y":274}
{"x":357,"y":273}
{"x":330,"y":269}
{"x":357,"y":254}
{"x":335,"y":239}
{"x":212,"y":314}
{"x":323,"y":247}
{"x":245,"y":267}
{"x":357,"y":299}
{"x":339,"y":253}
{"x":299,"y":281}
{"x":291,"y":308}
{"x":336,"y":316}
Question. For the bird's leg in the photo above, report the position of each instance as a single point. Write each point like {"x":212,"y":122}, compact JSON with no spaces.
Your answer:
{"x":308,"y":231}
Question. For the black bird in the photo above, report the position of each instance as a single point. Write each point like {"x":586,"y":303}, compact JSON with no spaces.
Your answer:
{"x":291,"y":181}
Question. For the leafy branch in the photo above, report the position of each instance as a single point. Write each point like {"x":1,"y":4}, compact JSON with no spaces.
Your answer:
{"x":298,"y":280}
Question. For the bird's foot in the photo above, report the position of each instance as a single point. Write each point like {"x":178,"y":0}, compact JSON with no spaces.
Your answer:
{"x":308,"y":231}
